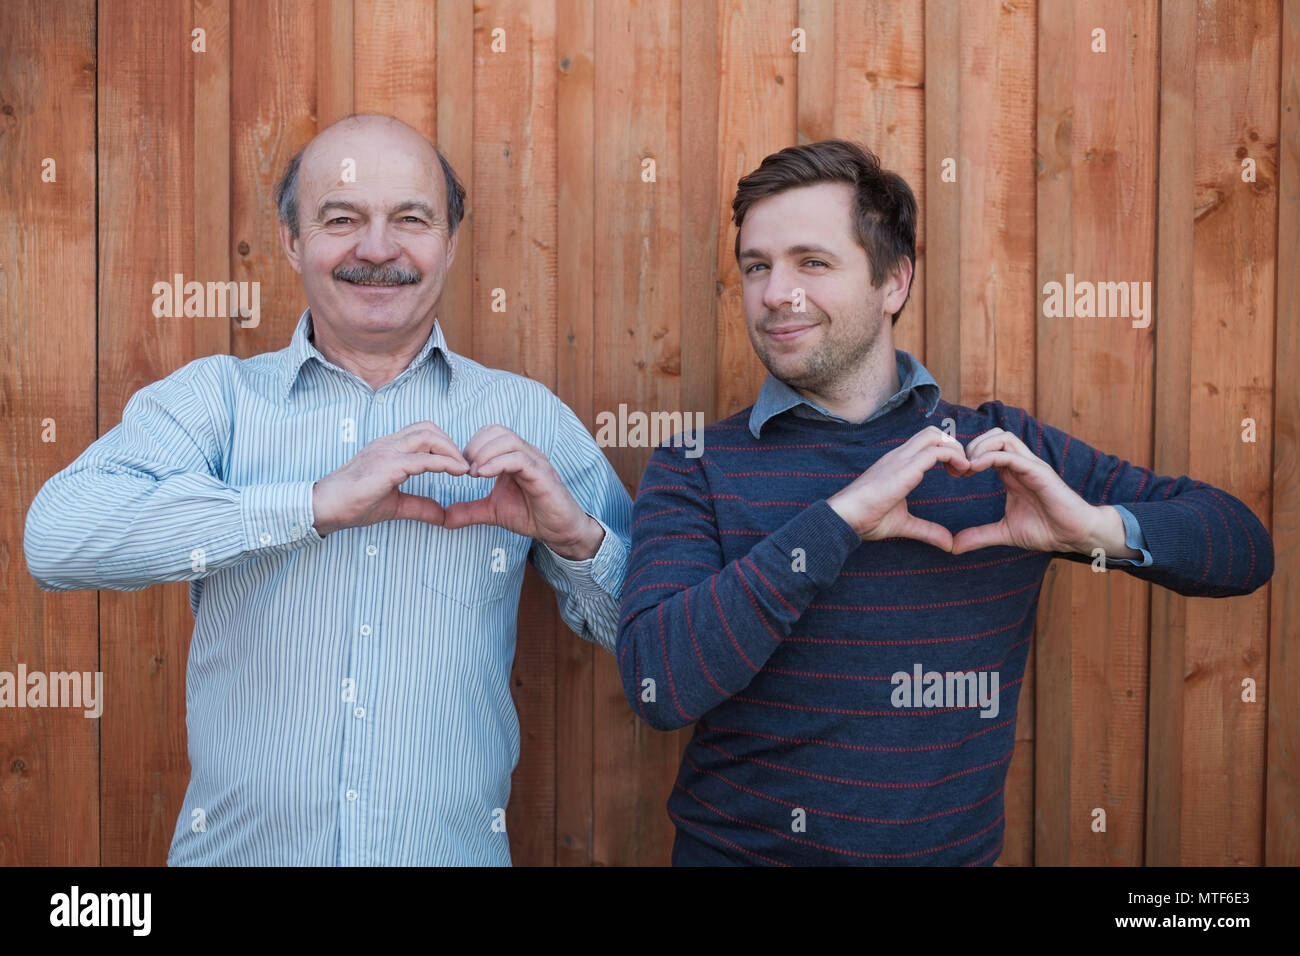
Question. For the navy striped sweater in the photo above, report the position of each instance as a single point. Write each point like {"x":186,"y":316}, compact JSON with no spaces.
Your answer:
{"x":855,"y":702}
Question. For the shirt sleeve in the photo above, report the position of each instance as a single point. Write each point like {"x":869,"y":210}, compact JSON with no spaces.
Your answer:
{"x":1202,"y":541}
{"x":1133,"y":538}
{"x":145,"y":504}
{"x":587,"y":591}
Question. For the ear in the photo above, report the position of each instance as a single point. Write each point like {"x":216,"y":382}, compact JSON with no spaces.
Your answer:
{"x":452,"y":244}
{"x":896,"y":286}
{"x":292,"y":248}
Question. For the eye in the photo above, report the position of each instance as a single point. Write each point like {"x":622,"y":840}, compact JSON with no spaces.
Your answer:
{"x":412,"y":219}
{"x":338,"y":219}
{"x":819,"y":262}
{"x":751,"y":268}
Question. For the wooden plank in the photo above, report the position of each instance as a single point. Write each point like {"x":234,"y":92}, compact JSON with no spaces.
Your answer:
{"x":49,"y":758}
{"x":815,"y":71}
{"x":941,"y":211}
{"x":1113,"y":212}
{"x":395,"y":72}
{"x":1234,"y":290}
{"x":457,"y":309}
{"x":1281,"y":829}
{"x":273,"y":115}
{"x":880,"y":102}
{"x":333,"y":60}
{"x":638,"y":355}
{"x":575,"y":366}
{"x":147,"y":125}
{"x":1172,"y":424}
{"x":514,"y":250}
{"x":754,"y":44}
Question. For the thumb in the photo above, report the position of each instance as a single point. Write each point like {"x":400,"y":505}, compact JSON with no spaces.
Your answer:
{"x":418,"y":508}
{"x":921,"y":530}
{"x":464,"y":513}
{"x":981,"y":536}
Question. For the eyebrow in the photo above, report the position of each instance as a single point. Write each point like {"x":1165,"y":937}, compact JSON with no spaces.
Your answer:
{"x":793,"y":251}
{"x":410,"y":204}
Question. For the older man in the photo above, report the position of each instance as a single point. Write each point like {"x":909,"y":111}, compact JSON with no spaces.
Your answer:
{"x":354,"y":513}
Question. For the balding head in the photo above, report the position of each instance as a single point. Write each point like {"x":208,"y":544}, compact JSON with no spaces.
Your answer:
{"x":327,"y":144}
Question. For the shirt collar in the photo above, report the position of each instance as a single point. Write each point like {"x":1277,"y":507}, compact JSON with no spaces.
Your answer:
{"x":776,"y":396}
{"x":301,"y":349}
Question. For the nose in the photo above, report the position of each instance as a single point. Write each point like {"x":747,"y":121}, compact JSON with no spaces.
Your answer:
{"x":778,"y":290}
{"x":376,"y":242}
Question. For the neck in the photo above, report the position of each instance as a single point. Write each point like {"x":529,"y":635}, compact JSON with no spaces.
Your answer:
{"x":859,"y":394}
{"x":376,"y":359}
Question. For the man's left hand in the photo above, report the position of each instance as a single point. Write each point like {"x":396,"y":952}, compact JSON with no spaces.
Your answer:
{"x":528,"y":497}
{"x":1043,"y":513}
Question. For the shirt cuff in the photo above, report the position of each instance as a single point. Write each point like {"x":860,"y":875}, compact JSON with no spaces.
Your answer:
{"x":1133,"y":538}
{"x":278,"y":514}
{"x":602,"y":572}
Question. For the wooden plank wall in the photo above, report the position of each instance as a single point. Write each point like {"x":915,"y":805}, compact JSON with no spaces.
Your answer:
{"x":1122,"y":165}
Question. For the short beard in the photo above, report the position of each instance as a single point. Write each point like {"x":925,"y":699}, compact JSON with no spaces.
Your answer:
{"x":832,"y":366}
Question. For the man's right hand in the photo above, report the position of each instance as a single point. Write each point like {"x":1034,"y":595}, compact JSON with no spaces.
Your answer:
{"x":364,"y":491}
{"x":875,"y":503}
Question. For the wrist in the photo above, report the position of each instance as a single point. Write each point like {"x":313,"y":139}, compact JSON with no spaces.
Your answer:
{"x":585,"y":545}
{"x":1108,"y":534}
{"x":838,"y":505}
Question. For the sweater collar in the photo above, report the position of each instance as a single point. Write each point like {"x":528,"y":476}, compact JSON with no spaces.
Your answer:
{"x":776,"y":397}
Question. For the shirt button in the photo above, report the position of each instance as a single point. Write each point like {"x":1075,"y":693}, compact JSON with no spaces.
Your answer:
{"x":379,"y":399}
{"x":365,"y":630}
{"x":371,"y":550}
{"x":359,"y":713}
{"x":295,"y":532}
{"x":352,"y":796}
{"x":264,"y":537}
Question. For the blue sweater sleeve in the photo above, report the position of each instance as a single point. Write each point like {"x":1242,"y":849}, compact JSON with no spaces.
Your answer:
{"x":695,"y":630}
{"x":1203,"y":541}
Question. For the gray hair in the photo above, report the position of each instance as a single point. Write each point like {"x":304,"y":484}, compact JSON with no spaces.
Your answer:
{"x":286,"y":194}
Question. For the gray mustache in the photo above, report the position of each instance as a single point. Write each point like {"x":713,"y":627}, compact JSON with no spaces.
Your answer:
{"x":386,"y":274}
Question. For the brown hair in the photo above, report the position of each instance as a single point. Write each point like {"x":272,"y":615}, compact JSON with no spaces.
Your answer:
{"x":884,"y":206}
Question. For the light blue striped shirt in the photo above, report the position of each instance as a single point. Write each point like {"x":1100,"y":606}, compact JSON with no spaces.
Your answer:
{"x":347,"y":697}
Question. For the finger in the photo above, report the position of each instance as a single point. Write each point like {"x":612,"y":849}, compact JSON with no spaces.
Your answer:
{"x":418,"y":463}
{"x":927,"y":531}
{"x":486,"y":434}
{"x":950,"y":454}
{"x":986,"y":440}
{"x":501,"y":444}
{"x":461,"y":514}
{"x":418,"y":508}
{"x":981,"y":536}
{"x":427,"y":437}
{"x":930,"y":435}
{"x":1013,"y":460}
{"x":516,"y":463}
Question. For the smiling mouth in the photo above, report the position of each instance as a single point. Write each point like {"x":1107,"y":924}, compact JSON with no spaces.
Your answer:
{"x":381,"y":285}
{"x":784,"y":332}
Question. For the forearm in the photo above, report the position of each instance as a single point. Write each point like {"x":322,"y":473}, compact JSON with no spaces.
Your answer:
{"x":587,"y":588}
{"x":686,"y":647}
{"x":101,"y":527}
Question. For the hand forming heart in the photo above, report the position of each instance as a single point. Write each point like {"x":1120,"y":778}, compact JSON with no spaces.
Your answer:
{"x":1042,"y":512}
{"x":527,"y":498}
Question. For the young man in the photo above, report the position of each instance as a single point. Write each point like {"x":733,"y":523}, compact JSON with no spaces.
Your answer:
{"x":839,"y":593}
{"x":355,"y":512}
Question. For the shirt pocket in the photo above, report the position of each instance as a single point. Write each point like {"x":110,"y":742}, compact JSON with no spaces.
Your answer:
{"x":475,"y":566}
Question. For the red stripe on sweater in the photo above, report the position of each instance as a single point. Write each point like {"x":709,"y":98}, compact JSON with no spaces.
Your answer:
{"x":841,"y":816}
